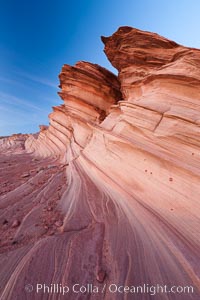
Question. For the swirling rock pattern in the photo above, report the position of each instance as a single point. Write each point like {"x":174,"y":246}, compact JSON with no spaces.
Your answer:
{"x":88,"y":91}
{"x":109,"y":192}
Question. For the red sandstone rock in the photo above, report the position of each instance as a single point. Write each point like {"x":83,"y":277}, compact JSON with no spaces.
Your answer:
{"x":88,"y":91}
{"x":101,"y":276}
{"x":15,"y":223}
{"x":127,"y":156}
{"x":43,"y":127}
{"x":25,"y":175}
{"x":14,"y":142}
{"x":58,"y":223}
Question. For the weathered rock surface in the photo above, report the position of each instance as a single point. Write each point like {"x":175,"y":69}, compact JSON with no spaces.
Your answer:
{"x":88,"y":91}
{"x":113,"y":188}
{"x":14,"y":142}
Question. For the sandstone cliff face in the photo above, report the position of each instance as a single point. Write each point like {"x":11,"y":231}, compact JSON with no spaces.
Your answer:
{"x":124,"y":157}
{"x":159,"y":78}
{"x":88,"y":91}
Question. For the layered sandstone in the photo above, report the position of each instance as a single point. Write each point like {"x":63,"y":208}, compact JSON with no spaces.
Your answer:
{"x":14,"y":142}
{"x":88,"y":91}
{"x":117,"y":197}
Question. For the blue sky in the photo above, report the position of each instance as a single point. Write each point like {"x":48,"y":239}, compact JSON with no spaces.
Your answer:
{"x":38,"y":37}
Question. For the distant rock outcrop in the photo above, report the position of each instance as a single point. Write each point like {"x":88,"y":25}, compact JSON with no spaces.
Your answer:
{"x":111,"y":189}
{"x":13,"y":143}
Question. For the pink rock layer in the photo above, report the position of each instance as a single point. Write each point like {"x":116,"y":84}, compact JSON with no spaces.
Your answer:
{"x":109,"y":192}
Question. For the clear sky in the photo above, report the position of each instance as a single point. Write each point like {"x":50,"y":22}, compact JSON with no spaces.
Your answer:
{"x":38,"y":36}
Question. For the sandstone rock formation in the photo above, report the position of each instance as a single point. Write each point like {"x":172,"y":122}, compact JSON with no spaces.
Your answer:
{"x":14,"y":142}
{"x":88,"y":91}
{"x":110,"y":190}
